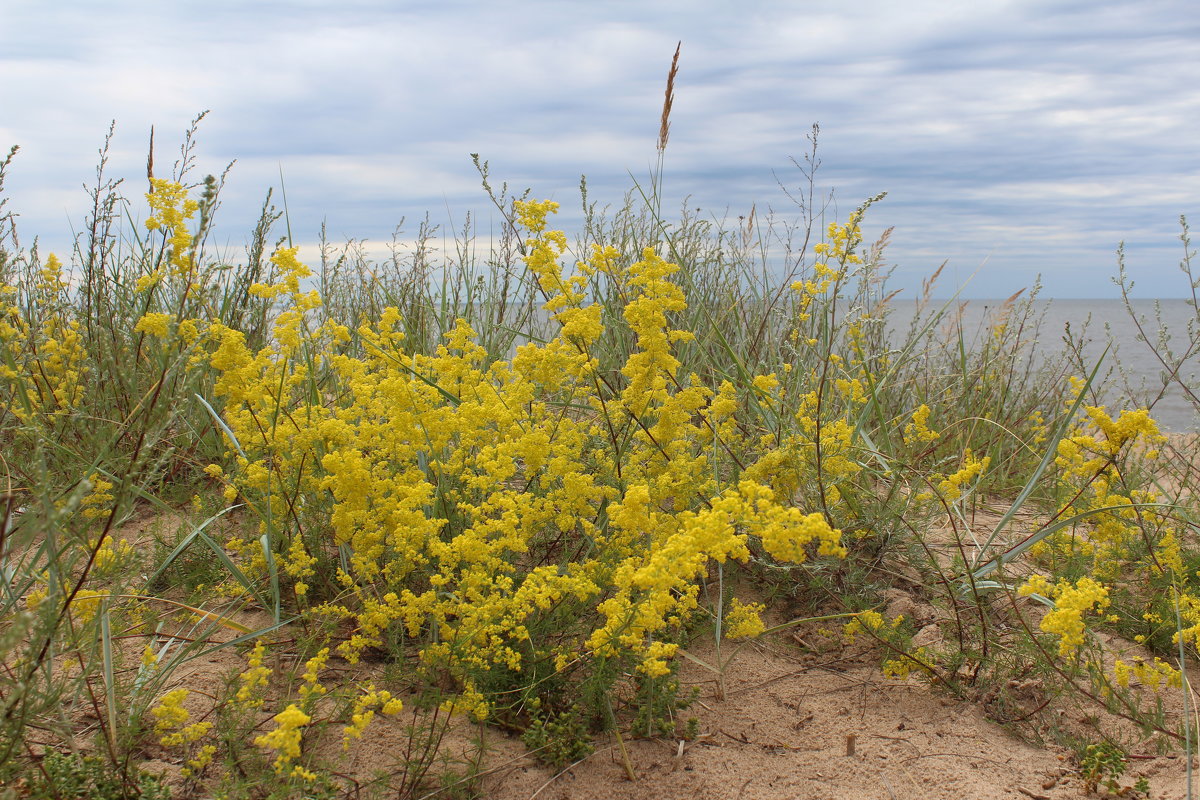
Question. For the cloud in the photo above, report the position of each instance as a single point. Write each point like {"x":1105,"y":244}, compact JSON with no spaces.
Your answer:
{"x":1032,"y":135}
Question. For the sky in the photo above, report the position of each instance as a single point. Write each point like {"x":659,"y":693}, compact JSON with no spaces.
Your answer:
{"x":1014,"y":139}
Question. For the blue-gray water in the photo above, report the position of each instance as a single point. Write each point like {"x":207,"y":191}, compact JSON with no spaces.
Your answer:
{"x":1135,"y":369}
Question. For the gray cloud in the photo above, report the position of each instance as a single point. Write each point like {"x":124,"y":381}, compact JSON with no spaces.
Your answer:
{"x":1025,"y":137}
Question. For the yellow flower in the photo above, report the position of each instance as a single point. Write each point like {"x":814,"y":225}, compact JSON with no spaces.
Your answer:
{"x":901,"y":666}
{"x":918,"y":430}
{"x":86,"y":604}
{"x":203,"y":758}
{"x":312,"y":670}
{"x":363,"y":712}
{"x":952,"y":487}
{"x":35,"y":598}
{"x":95,"y":503}
{"x":742,"y":620}
{"x":1071,"y":603}
{"x":171,"y":209}
{"x":1036,"y":584}
{"x":863,"y":621}
{"x":170,"y":713}
{"x":654,"y":659}
{"x":189,"y":330}
{"x":170,"y":720}
{"x":285,"y":739}
{"x":154,"y":324}
{"x":254,"y":679}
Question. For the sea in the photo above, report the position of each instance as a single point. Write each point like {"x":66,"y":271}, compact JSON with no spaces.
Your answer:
{"x":1122,"y":339}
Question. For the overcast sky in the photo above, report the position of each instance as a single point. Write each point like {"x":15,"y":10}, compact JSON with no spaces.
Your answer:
{"x":1012,"y":138}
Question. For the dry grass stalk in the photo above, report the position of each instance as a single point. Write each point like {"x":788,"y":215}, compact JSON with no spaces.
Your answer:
{"x":150,"y":161}
{"x":664,"y":126}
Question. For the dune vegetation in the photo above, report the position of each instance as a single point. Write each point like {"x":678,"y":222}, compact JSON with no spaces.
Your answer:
{"x":254,"y":507}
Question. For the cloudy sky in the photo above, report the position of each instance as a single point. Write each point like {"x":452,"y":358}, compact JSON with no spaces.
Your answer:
{"x":1013,"y":138}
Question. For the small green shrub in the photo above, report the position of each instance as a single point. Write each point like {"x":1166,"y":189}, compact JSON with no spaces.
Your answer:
{"x":91,"y":778}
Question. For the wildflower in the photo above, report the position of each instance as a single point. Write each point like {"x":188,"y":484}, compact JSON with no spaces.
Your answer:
{"x":171,"y":718}
{"x":99,"y":497}
{"x":1071,"y":603}
{"x":302,"y":773}
{"x":86,"y":604}
{"x":863,"y":621}
{"x":1036,"y":584}
{"x":654,"y":659}
{"x":170,"y":713}
{"x":197,"y":764}
{"x":766,"y":384}
{"x":146,"y":282}
{"x":35,"y":598}
{"x":254,"y":679}
{"x":742,"y":620}
{"x":154,"y":324}
{"x":918,"y":430}
{"x":171,"y":209}
{"x":189,"y":330}
{"x":447,"y":473}
{"x":786,"y":542}
{"x":951,"y":487}
{"x":51,"y":276}
{"x":149,"y":658}
{"x":112,"y":552}
{"x":312,"y":669}
{"x":285,"y":739}
{"x":363,"y":712}
{"x":903,"y":665}
{"x":470,"y":702}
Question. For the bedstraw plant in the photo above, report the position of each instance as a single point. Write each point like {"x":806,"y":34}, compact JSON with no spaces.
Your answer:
{"x":439,"y":493}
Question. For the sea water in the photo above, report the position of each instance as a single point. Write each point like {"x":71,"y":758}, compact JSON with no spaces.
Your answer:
{"x":1122,"y":339}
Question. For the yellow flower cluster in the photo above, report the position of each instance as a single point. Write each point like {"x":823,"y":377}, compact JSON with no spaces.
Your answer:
{"x":902,"y":666}
{"x":1038,"y":428}
{"x":254,"y":679}
{"x":1071,"y":603}
{"x":823,"y":450}
{"x":112,"y":553}
{"x":657,"y":589}
{"x":96,"y":502}
{"x":1189,"y":612}
{"x":838,"y":254}
{"x":154,"y":324}
{"x":43,"y":355}
{"x":951,"y":488}
{"x":285,"y":740}
{"x":872,"y":623}
{"x":1111,"y":529}
{"x":743,"y":620}
{"x":450,"y":493}
{"x":312,"y":687}
{"x":171,"y":208}
{"x":202,"y":759}
{"x":171,"y":718}
{"x":86,"y":604}
{"x":1155,"y":675}
{"x":917,"y":431}
{"x":364,"y":711}
{"x":467,"y":501}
